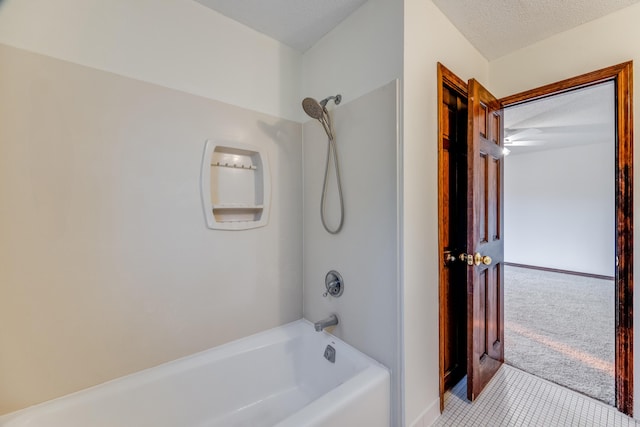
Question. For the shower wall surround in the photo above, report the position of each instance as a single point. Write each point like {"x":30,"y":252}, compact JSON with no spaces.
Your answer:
{"x":365,"y":252}
{"x":106,"y":264}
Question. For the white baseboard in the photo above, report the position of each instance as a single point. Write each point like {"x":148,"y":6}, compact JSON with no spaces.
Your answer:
{"x":428,"y":416}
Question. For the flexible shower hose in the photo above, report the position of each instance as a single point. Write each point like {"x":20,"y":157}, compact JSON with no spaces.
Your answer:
{"x":331,"y":146}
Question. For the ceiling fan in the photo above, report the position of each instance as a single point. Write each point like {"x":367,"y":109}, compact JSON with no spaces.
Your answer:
{"x":522,"y":137}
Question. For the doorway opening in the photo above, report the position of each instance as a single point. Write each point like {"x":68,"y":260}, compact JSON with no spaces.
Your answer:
{"x":559,"y":203}
{"x":455,"y":326}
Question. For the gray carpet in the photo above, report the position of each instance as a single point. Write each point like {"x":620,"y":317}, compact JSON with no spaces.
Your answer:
{"x":561,"y":327}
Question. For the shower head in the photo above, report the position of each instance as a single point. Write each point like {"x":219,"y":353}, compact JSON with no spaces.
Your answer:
{"x":313,"y":108}
{"x":317,"y":110}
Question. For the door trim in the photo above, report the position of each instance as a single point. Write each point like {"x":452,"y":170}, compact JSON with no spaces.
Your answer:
{"x":622,"y":76}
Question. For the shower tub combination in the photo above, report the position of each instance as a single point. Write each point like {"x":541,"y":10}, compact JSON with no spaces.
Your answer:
{"x":279,"y":377}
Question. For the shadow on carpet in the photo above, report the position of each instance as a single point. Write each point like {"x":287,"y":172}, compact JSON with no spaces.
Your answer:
{"x":560,"y":327}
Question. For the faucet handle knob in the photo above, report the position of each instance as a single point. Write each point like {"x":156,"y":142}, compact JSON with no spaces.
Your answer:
{"x":334,"y":284}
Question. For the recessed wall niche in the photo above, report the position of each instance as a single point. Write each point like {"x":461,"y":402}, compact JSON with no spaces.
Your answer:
{"x":235,"y":186}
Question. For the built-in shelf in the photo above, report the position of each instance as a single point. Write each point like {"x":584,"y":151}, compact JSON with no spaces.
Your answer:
{"x":235,"y":186}
{"x":238,"y":206}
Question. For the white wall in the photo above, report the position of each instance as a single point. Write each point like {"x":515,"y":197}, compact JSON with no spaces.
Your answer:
{"x":428,"y":38}
{"x":597,"y":44}
{"x":179,"y":44}
{"x":559,"y":205}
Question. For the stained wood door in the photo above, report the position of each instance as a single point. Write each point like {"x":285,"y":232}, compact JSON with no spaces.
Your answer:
{"x":485,"y":245}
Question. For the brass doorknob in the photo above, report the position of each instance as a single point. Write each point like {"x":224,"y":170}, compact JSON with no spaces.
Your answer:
{"x":482,"y":259}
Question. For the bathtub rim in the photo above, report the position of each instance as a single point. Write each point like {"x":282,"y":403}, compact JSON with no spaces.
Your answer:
{"x":253,"y":342}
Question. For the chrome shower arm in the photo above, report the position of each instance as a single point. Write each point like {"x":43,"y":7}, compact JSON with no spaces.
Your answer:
{"x":337,"y":99}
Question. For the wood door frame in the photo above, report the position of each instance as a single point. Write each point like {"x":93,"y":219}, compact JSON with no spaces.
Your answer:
{"x":622,"y":76}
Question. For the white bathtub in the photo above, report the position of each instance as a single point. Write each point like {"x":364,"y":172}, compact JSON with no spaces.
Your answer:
{"x":275,"y":378}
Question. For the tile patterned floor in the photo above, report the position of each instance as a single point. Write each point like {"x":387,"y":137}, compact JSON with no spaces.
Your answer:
{"x":516,"y":398}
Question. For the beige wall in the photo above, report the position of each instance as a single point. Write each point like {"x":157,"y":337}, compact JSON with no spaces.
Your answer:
{"x":428,"y":38}
{"x":597,"y":44}
{"x":106,"y":266}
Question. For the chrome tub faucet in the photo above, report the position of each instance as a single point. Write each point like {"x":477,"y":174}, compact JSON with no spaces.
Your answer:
{"x":325,"y":323}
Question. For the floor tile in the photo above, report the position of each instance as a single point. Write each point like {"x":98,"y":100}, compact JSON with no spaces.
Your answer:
{"x":516,"y":398}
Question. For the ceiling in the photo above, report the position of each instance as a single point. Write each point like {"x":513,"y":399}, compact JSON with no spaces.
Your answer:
{"x":498,"y":27}
{"x":580,"y":117}
{"x":296,"y":23}
{"x":494,"y":27}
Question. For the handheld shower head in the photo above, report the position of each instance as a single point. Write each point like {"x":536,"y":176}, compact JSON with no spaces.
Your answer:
{"x":313,"y":108}
{"x":318,"y":110}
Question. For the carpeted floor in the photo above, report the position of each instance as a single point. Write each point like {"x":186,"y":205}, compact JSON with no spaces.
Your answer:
{"x":560,"y":327}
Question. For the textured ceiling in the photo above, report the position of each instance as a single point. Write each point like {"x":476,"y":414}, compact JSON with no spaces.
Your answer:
{"x":297,"y":23}
{"x":498,"y":27}
{"x":580,"y":117}
{"x":494,"y":27}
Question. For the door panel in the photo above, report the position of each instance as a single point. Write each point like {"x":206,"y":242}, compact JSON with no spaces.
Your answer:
{"x":485,"y":343}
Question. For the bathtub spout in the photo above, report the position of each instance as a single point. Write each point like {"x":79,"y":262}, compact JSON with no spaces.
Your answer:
{"x":325,"y":323}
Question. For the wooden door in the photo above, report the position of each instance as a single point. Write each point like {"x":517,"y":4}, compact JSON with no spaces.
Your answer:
{"x":485,"y":245}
